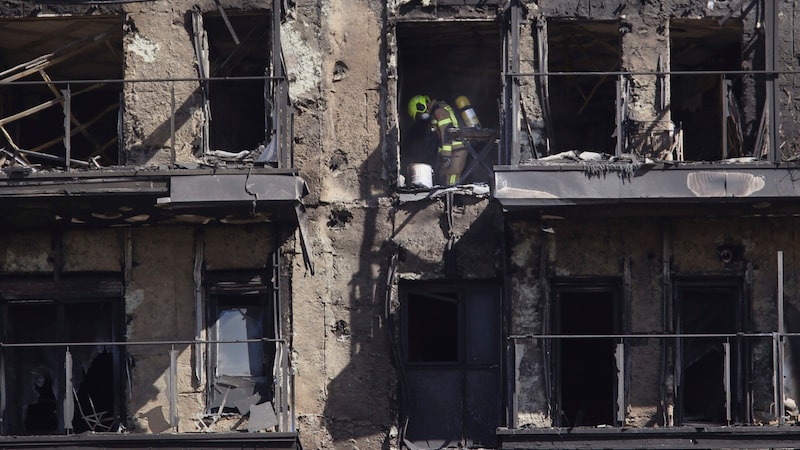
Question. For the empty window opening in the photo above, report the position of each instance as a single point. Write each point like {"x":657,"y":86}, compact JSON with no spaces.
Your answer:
{"x":586,"y":367}
{"x":451,"y":347}
{"x":698,"y":102}
{"x":238,"y":107}
{"x":41,"y":417}
{"x":433,"y":328}
{"x":445,"y":61}
{"x":240,"y":373}
{"x":95,"y":395}
{"x":702,"y":388}
{"x":583,"y":102}
{"x":36,"y":375}
{"x":32,"y":116}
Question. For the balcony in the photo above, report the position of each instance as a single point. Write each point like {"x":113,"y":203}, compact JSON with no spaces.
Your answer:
{"x":695,"y":123}
{"x":81,"y":139}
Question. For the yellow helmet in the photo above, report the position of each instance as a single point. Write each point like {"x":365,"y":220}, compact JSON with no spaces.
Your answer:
{"x":418,"y":105}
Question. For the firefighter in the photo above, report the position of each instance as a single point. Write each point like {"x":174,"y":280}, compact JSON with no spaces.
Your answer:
{"x":452,"y":154}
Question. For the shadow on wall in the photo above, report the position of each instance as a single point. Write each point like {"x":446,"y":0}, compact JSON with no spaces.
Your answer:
{"x":149,"y":369}
{"x":361,"y":396}
{"x":145,"y":148}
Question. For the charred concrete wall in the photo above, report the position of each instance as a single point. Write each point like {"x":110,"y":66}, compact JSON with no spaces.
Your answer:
{"x":348,"y":108}
{"x":160,"y":43}
{"x":346,"y":316}
{"x":587,"y":249}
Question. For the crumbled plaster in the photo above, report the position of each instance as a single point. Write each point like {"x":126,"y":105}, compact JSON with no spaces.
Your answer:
{"x":143,"y":47}
{"x":303,"y":63}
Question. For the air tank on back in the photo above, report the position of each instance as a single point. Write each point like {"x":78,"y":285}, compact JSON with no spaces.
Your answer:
{"x":467,"y":113}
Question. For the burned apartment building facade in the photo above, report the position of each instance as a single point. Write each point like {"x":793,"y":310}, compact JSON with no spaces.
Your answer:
{"x":220,"y":226}
{"x":144,"y":286}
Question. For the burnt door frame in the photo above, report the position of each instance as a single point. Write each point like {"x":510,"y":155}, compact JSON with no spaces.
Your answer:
{"x":608,"y":286}
{"x":738,"y":354}
{"x":475,"y":365}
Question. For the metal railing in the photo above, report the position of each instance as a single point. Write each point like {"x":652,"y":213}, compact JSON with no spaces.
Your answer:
{"x":97,"y":138}
{"x":729,"y":113}
{"x":738,"y":352}
{"x":282,"y":379}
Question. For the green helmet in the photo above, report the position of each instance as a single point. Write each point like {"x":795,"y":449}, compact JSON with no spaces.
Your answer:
{"x":418,"y":105}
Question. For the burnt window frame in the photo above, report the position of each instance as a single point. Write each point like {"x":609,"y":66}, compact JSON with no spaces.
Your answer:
{"x":226,"y":290}
{"x":59,"y":293}
{"x":617,"y":137}
{"x":580,"y":285}
{"x":739,"y":346}
{"x":412,"y":135}
{"x":276,"y":146}
{"x":466,"y":364}
{"x":728,"y":107}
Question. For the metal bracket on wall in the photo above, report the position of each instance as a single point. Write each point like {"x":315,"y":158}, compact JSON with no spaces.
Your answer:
{"x":302,"y":225}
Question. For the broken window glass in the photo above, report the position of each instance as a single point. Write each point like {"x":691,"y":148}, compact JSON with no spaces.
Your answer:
{"x":241,"y":358}
{"x":240,"y":373}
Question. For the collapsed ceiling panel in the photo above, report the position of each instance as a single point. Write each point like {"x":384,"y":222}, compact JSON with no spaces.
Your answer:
{"x":29,"y":38}
{"x":37,"y":53}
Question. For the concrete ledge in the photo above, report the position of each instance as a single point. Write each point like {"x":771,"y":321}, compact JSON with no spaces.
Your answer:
{"x":629,"y":438}
{"x":581,"y":184}
{"x":167,"y":441}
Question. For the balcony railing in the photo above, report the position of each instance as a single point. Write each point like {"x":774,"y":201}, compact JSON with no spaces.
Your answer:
{"x":74,"y":404}
{"x":92,"y":124}
{"x":702,"y":118}
{"x":678,"y":352}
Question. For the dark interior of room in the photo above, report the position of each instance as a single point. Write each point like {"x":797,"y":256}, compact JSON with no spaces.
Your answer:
{"x":705,"y":310}
{"x":56,"y":44}
{"x":583,"y":106}
{"x":445,"y":60}
{"x":696,"y":100}
{"x":238,"y":119}
{"x":587,"y":366}
{"x":432,"y":327}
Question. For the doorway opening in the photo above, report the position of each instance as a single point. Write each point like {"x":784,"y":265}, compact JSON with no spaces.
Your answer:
{"x":451,"y":347}
{"x":446,"y":60}
{"x":586,"y":367}
{"x":699,"y":102}
{"x":708,"y":378}
{"x":583,"y":102}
